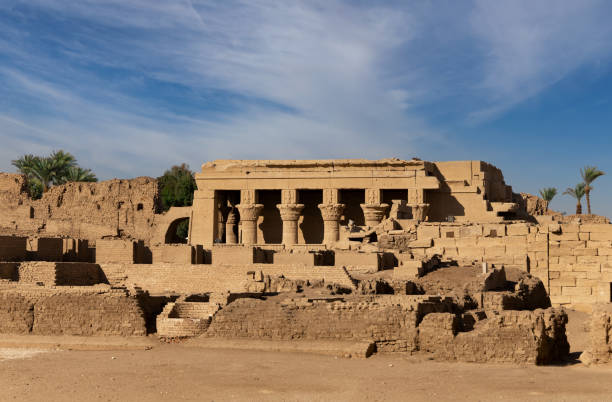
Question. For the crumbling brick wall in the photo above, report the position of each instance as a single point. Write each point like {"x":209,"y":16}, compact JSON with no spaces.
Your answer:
{"x":69,"y":311}
{"x":81,"y":210}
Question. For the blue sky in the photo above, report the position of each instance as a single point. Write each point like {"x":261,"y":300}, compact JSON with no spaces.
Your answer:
{"x":134,"y":86}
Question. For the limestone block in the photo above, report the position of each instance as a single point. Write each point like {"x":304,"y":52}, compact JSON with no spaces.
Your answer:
{"x":585,"y":251}
{"x":573,"y":274}
{"x":564,"y":236}
{"x":289,"y":257}
{"x":596,"y":228}
{"x":445,"y":242}
{"x":428,"y":231}
{"x":357,"y":260}
{"x":470,"y":231}
{"x":603,"y":236}
{"x":228,"y":255}
{"x":607,"y":251}
{"x":554,"y":291}
{"x":586,"y":259}
{"x":557,"y":300}
{"x":562,"y":282}
{"x":570,"y":228}
{"x":587,"y":267}
{"x":517,"y":229}
{"x":567,"y":260}
{"x":477,"y":252}
{"x":491,"y":241}
{"x":494,"y":230}
{"x":554,"y":274}
{"x":584,"y":236}
{"x":116,"y":251}
{"x":599,"y":244}
{"x":496,"y":251}
{"x":576,"y":291}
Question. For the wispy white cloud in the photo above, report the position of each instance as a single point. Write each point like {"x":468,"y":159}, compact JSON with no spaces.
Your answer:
{"x":303,"y":79}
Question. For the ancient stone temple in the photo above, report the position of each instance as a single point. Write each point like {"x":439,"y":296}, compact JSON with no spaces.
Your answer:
{"x":304,"y":201}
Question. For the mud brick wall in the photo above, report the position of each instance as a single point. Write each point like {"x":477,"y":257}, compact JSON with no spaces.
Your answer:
{"x":189,"y":279}
{"x":359,"y":321}
{"x":536,"y":337}
{"x":59,"y":273}
{"x":12,"y":248}
{"x":69,"y":311}
{"x":580,"y":264}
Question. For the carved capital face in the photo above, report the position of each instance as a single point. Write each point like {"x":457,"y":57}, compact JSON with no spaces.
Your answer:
{"x":374,"y":211}
{"x":290,"y":212}
{"x":232,"y":216}
{"x":249,"y":212}
{"x":419,"y":211}
{"x":331,"y":212}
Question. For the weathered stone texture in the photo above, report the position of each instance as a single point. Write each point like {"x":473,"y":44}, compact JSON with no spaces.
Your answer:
{"x":69,"y":311}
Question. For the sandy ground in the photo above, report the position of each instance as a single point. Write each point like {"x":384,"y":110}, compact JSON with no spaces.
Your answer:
{"x":177,"y":372}
{"x":174,"y":372}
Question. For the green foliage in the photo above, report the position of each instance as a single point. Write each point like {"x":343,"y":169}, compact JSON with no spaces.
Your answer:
{"x":548,"y":193}
{"x":76,"y":173}
{"x":44,"y":171}
{"x":182,"y":230}
{"x":576,"y":192}
{"x":589,"y":174}
{"x":176,"y":187}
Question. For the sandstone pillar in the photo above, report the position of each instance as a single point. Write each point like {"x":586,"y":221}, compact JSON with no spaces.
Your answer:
{"x":331,"y":214}
{"x":290,"y":213}
{"x":374,"y":213}
{"x":419,"y":211}
{"x":248,"y":218}
{"x":231,"y":227}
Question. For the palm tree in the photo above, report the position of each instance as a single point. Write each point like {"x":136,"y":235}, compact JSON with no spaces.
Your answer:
{"x":547,"y":194}
{"x":45,"y":171}
{"x":77,"y":173}
{"x":589,"y":174}
{"x":577,"y":192}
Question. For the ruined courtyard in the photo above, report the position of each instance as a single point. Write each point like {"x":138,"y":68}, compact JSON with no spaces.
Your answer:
{"x":379,"y":259}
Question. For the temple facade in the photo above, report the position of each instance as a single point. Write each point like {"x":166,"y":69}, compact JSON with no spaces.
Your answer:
{"x":306,"y":201}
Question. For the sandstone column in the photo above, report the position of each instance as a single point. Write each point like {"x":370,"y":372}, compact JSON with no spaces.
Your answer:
{"x":248,"y":218}
{"x":331,"y":216}
{"x":374,"y":213}
{"x":290,"y":213}
{"x":230,"y":227}
{"x":419,"y":211}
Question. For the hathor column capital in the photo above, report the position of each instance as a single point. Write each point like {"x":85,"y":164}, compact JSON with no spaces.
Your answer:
{"x":331,"y":214}
{"x":290,"y":213}
{"x":248,"y":218}
{"x":374,"y":213}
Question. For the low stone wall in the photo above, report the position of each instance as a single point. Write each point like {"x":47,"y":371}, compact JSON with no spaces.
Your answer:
{"x":53,"y":273}
{"x":416,"y":324}
{"x":93,"y":311}
{"x":386,"y":318}
{"x":190,"y":279}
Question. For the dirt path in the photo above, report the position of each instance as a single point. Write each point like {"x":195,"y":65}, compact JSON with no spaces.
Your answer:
{"x":175,"y":372}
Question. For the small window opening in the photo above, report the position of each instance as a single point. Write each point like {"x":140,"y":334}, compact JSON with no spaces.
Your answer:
{"x":139,"y":207}
{"x":450,"y":235}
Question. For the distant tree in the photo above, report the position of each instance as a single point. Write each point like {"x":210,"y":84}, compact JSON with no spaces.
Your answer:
{"x":577,"y":192}
{"x":177,"y":186}
{"x":78,"y":174}
{"x":589,"y":174}
{"x":547,"y":194}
